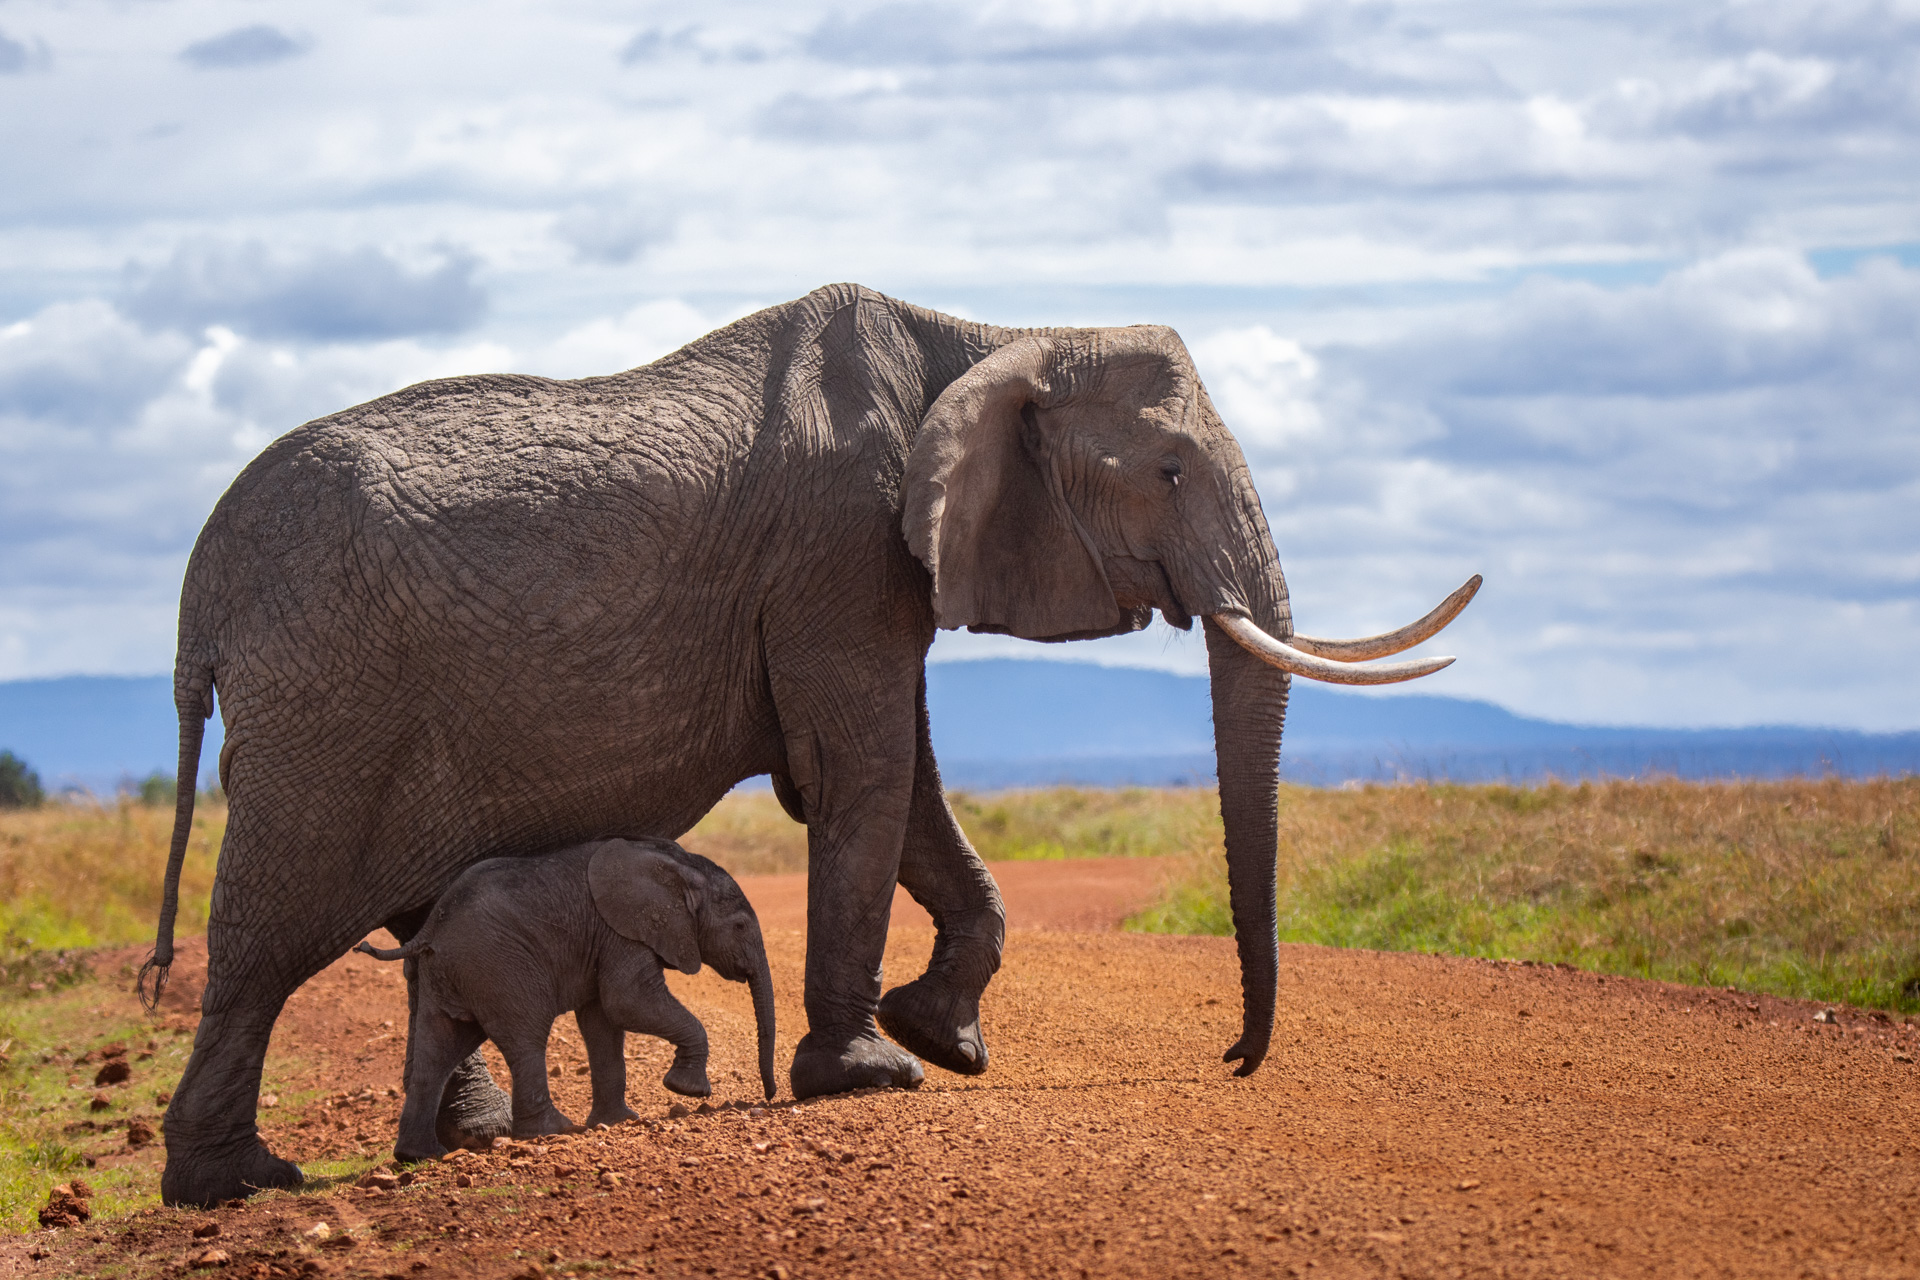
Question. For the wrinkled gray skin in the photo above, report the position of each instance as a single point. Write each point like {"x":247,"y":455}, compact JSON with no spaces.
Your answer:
{"x":507,"y":612}
{"x":516,"y":942}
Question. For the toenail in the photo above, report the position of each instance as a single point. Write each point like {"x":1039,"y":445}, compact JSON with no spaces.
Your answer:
{"x":967,"y":1051}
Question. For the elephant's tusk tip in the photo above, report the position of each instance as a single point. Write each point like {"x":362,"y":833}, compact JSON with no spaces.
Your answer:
{"x":1300,"y":661}
{"x":1392,"y":642}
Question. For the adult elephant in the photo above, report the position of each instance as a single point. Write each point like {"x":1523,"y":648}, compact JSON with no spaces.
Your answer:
{"x":508,"y":613}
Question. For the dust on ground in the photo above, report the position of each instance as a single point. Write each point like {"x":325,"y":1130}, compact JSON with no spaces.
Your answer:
{"x":1417,"y":1116}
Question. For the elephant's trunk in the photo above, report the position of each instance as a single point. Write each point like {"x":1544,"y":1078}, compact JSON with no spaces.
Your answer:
{"x":1249,"y":711}
{"x":1252,"y":662}
{"x":761,"y":984}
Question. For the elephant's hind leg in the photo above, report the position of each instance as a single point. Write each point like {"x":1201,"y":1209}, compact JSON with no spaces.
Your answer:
{"x":264,"y":938}
{"x":214,"y":1151}
{"x":937,"y":1015}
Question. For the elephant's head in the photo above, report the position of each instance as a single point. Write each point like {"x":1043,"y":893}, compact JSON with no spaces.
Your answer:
{"x":1074,"y":481}
{"x":688,"y":910}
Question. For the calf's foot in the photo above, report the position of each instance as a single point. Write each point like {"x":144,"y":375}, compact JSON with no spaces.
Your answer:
{"x":938,"y":1023}
{"x":611,"y":1115}
{"x":689,"y":1080}
{"x":542,"y":1123}
{"x":828,"y":1062}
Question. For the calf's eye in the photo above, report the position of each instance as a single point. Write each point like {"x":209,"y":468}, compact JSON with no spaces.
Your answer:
{"x":1172,"y":470}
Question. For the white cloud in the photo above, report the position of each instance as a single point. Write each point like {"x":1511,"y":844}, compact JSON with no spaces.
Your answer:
{"x":1499,"y":285}
{"x":1687,"y":478}
{"x":326,"y":295}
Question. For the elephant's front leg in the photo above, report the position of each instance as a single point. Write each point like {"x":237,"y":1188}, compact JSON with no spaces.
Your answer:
{"x":635,"y":997}
{"x":937,"y":1015}
{"x":853,"y":766}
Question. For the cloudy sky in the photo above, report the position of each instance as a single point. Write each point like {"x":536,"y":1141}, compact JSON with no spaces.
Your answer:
{"x":1615,"y":303}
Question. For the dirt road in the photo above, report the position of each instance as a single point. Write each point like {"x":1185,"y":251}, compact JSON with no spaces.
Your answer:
{"x":1418,"y":1117}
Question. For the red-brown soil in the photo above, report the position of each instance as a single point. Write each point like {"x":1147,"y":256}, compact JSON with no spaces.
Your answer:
{"x":1418,"y":1116}
{"x":1086,"y":894}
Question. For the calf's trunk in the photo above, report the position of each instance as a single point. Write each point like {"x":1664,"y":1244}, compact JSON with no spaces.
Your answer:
{"x":761,"y":985}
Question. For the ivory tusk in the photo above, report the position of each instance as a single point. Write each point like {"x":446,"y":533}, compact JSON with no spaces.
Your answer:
{"x":1284,"y":656}
{"x":1392,"y":642}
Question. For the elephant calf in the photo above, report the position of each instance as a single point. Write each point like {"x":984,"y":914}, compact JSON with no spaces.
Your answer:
{"x":515,"y":942}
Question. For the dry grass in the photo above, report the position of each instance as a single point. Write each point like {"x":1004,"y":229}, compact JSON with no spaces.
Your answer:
{"x":83,"y":875}
{"x":1802,"y":888}
{"x":749,"y":834}
{"x":1808,"y":887}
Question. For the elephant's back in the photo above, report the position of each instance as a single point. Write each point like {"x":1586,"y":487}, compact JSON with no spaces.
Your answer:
{"x":447,"y":500}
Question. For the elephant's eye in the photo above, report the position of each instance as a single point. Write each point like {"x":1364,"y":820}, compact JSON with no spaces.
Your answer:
{"x":1172,"y":470}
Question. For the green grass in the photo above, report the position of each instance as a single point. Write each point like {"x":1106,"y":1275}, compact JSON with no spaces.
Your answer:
{"x":75,"y":877}
{"x":1066,"y":822}
{"x":1805,"y":889}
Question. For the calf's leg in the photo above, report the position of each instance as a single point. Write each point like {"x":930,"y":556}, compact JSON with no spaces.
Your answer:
{"x":435,"y":1050}
{"x":639,"y":1001}
{"x":524,"y":1046}
{"x":606,"y":1065}
{"x":473,"y":1110}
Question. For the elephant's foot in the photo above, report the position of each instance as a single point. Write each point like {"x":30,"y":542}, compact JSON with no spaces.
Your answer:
{"x":689,"y":1080}
{"x":410,"y":1151}
{"x":938,"y":1023}
{"x":836,"y":1064}
{"x":542,"y":1123}
{"x":611,"y":1116}
{"x":473,"y":1109}
{"x":203,"y":1180}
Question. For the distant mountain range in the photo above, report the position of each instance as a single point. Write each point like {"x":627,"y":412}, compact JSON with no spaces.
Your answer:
{"x":1004,"y":723}
{"x":1011,"y":723}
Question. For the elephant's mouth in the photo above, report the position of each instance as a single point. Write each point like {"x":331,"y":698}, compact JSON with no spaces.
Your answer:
{"x":1173,"y":613}
{"x":1328,"y":660}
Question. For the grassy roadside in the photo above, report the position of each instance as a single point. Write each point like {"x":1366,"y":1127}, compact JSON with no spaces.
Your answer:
{"x":750,"y":834}
{"x":1807,"y":889}
{"x":50,"y":1128}
{"x":1804,"y":888}
{"x":83,"y":875}
{"x":57,"y":1123}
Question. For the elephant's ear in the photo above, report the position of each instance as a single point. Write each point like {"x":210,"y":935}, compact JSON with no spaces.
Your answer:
{"x":985,"y":513}
{"x":644,"y":894}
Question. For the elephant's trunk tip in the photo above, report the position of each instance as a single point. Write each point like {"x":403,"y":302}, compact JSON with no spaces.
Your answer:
{"x":1248,"y":1058}
{"x":761,"y":986}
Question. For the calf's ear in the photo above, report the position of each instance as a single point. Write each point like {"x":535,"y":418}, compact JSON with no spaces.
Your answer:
{"x":645,"y":895}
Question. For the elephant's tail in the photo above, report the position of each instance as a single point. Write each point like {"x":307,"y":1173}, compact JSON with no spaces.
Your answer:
{"x":408,"y":952}
{"x":193,"y":699}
